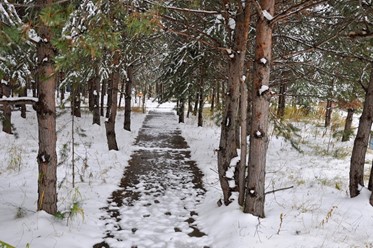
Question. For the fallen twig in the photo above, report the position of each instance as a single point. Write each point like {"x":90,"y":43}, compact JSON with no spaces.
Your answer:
{"x":275,"y":190}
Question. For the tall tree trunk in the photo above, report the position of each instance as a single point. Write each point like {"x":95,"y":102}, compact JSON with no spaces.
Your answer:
{"x":96,"y":98}
{"x":181,"y":110}
{"x":46,"y":115}
{"x":23,"y":106}
{"x":110,"y":123}
{"x":103,"y":93}
{"x":7,"y":118}
{"x":201,"y":97}
{"x":281,"y":101}
{"x":62,"y":87}
{"x":109,"y":99}
{"x":328,"y":113}
{"x":75,"y":100}
{"x":361,"y":142}
{"x":370,"y":184}
{"x":91,"y":89}
{"x":218,"y":103}
{"x":348,"y":124}
{"x":243,"y":125}
{"x":122,"y":89}
{"x":127,"y":99}
{"x":195,"y":108}
{"x":7,"y":110}
{"x":255,"y":195}
{"x":227,"y":145}
{"x":212,"y":107}
{"x":190,"y":107}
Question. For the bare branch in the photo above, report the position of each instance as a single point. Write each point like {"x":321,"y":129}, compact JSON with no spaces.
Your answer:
{"x":275,"y":190}
{"x":295,"y":9}
{"x":19,"y":100}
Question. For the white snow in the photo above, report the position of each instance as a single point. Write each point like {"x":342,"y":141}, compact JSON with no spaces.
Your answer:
{"x":263,"y":89}
{"x":33,"y":35}
{"x":232,"y":23}
{"x":263,"y":61}
{"x":267,"y":15}
{"x":243,"y":78}
{"x":317,"y":212}
{"x":258,"y":133}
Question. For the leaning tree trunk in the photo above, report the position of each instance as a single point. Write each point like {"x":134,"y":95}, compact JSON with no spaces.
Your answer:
{"x":110,"y":123}
{"x":348,"y":124}
{"x":361,"y":142}
{"x":255,"y":195}
{"x":46,"y":115}
{"x":127,"y":99}
{"x":227,"y":145}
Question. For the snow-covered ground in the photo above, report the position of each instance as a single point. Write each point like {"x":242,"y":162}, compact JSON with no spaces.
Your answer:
{"x":316,"y":212}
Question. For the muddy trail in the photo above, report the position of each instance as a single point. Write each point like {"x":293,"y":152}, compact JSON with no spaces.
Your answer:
{"x":155,"y":204}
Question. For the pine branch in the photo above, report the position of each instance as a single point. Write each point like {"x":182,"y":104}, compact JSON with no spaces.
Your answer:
{"x":40,"y":5}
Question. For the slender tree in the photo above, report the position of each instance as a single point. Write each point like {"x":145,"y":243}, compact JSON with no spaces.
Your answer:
{"x":46,"y":115}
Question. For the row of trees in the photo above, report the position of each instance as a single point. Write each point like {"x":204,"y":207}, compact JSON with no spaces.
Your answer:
{"x":239,"y":55}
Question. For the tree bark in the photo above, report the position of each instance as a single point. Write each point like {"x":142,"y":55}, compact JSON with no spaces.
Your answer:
{"x":243,"y":125}
{"x":110,"y":123}
{"x":370,"y":184}
{"x":348,"y":124}
{"x":195,"y":108}
{"x":227,"y":145}
{"x":255,"y":195}
{"x":181,"y":110}
{"x":361,"y":142}
{"x":109,"y":99}
{"x":281,"y":101}
{"x":46,"y":115}
{"x":7,"y":118}
{"x":96,"y":98}
{"x":103,"y":93}
{"x":328,"y":113}
{"x":75,"y":100}
{"x":127,"y":99}
{"x":212,"y":107}
{"x":23,"y":106}
{"x":190,"y":107}
{"x":200,"y":97}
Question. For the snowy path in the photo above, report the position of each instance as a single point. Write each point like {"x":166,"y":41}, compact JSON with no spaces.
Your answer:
{"x":155,"y":205}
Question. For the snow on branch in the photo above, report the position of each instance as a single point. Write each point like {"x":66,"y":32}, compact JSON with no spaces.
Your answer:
{"x":198,"y":11}
{"x":267,"y":15}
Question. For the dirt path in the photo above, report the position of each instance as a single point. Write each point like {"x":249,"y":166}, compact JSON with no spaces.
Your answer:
{"x":155,"y":205}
